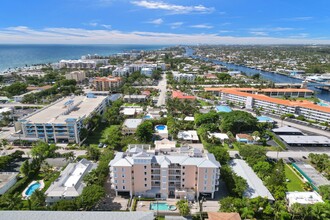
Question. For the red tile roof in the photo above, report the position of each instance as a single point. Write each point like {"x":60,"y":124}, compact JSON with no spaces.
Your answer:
{"x":181,"y":95}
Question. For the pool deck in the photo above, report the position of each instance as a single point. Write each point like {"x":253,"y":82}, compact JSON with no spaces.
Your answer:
{"x":146,"y":206}
{"x":42,"y":185}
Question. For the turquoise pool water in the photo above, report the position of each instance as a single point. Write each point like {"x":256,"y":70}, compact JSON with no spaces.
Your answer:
{"x":223,"y":108}
{"x":147,"y":117}
{"x":264,"y":119}
{"x":32,"y":188}
{"x":160,"y":127}
{"x":161,"y":206}
{"x":323,"y":104}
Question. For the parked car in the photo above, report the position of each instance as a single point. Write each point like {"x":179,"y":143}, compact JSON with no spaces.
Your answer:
{"x":291,"y":159}
{"x":304,"y":157}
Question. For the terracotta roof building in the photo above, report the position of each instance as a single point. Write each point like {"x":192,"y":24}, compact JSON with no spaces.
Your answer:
{"x":182,"y":96}
{"x":107,"y":83}
{"x":223,"y":216}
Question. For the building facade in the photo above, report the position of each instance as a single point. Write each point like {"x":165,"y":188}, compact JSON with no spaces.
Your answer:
{"x":79,"y":76}
{"x":62,"y":121}
{"x":184,"y":173}
{"x":184,"y":76}
{"x":70,"y":183}
{"x":109,"y":83}
{"x":77,"y":64}
{"x":272,"y":105}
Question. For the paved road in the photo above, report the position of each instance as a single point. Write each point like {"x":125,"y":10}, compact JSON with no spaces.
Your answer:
{"x":305,"y":128}
{"x":162,"y":91}
{"x":286,"y":154}
{"x":19,"y":105}
{"x":27,"y":151}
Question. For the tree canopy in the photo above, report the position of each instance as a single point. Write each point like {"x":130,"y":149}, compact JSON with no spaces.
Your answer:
{"x":238,"y":121}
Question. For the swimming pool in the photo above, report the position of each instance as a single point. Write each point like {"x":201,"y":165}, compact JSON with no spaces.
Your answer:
{"x":147,"y":117}
{"x":264,"y":119}
{"x":32,"y":188}
{"x":161,"y":206}
{"x":223,"y":108}
{"x":323,"y":104}
{"x":160,"y":127}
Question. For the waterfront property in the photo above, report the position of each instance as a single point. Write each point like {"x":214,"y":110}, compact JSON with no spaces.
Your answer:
{"x":7,"y":180}
{"x":70,"y":183}
{"x":165,"y":173}
{"x":56,"y":215}
{"x":77,"y":64}
{"x":272,"y":105}
{"x":303,"y":198}
{"x":61,"y":121}
{"x":255,"y":185}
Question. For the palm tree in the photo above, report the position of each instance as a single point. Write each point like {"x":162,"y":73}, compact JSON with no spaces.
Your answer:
{"x":247,"y":213}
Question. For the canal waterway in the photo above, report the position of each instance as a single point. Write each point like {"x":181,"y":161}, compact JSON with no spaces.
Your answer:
{"x":274,"y":77}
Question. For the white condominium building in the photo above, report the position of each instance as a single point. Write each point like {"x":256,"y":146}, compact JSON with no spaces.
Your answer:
{"x":62,"y":121}
{"x":184,"y":76}
{"x":70,"y":183}
{"x":276,"y":106}
{"x":165,"y":173}
{"x":77,"y":64}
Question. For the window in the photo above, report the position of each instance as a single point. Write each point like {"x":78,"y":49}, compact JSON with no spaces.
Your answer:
{"x":182,"y":173}
{"x":124,"y":187}
{"x":205,"y":170}
{"x":183,"y":186}
{"x":182,"y":180}
{"x":145,"y":179}
{"x":145,"y":173}
{"x":183,"y":167}
{"x":123,"y":169}
{"x":205,"y":182}
{"x":145,"y":185}
{"x":204,"y":187}
{"x":116,"y":181}
{"x":145,"y":167}
{"x":115,"y":169}
{"x":116,"y":187}
{"x":123,"y":175}
{"x":123,"y":181}
{"x":115,"y":175}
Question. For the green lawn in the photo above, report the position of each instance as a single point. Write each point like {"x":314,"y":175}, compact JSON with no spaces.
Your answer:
{"x":97,"y":135}
{"x":295,"y":183}
{"x":203,"y":103}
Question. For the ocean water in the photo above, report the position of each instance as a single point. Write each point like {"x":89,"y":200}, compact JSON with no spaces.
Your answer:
{"x":12,"y":56}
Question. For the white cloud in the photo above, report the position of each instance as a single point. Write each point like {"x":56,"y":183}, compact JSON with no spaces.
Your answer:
{"x":306,"y":18}
{"x":273,"y":29}
{"x":96,"y":24}
{"x":300,"y":35}
{"x":202,"y":26}
{"x":174,"y":9}
{"x":23,"y":34}
{"x":259,"y":33}
{"x":176,"y":25}
{"x":158,"y":21}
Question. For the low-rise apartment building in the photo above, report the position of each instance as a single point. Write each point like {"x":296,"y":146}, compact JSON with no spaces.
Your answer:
{"x":61,"y":121}
{"x":178,"y":173}
{"x":77,"y":64}
{"x":79,"y":76}
{"x":188,"y":77}
{"x":135,"y":98}
{"x":272,"y":105}
{"x":130,"y":125}
{"x":70,"y":183}
{"x":109,"y":83}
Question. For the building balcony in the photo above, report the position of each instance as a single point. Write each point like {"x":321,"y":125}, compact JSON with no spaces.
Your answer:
{"x":177,"y":172}
{"x":155,"y":172}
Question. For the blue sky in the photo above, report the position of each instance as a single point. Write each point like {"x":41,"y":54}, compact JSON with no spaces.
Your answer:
{"x":165,"y":22}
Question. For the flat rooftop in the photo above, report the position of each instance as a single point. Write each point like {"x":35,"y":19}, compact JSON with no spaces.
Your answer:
{"x":255,"y":185}
{"x":59,"y":111}
{"x":286,"y":129}
{"x":314,"y":176}
{"x":70,"y":215}
{"x":303,"y":198}
{"x":5,"y":177}
{"x":305,"y":139}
